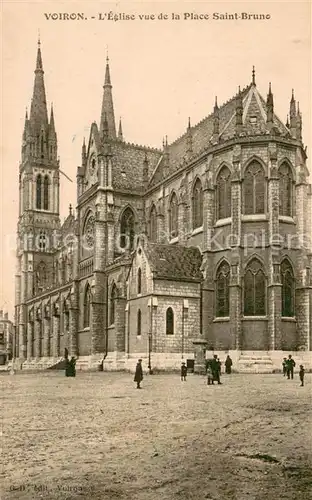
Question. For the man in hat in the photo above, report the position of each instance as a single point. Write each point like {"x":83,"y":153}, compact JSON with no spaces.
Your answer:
{"x":138,"y":376}
{"x":290,"y":367}
{"x":183,"y":371}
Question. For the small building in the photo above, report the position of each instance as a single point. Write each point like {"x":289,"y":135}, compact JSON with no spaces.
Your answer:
{"x":6,"y":338}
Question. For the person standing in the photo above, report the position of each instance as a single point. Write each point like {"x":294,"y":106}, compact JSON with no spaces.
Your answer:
{"x":290,"y":367}
{"x":183,"y":372}
{"x":216,"y":368}
{"x":301,"y":375}
{"x":228,"y":364}
{"x":209,"y":375}
{"x":138,"y":376}
{"x":284,"y":364}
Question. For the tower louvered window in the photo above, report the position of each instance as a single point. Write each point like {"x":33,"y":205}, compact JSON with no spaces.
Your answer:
{"x":254,"y":289}
{"x":223,"y":290}
{"x":254,"y":189}
{"x":39,"y":192}
{"x":46,"y":184}
{"x":224,"y":193}
{"x":285,"y":190}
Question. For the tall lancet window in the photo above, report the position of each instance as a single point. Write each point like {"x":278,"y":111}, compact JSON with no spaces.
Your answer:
{"x":197,"y":202}
{"x":87,"y":307}
{"x":46,"y":184}
{"x":254,"y":289}
{"x":39,"y":192}
{"x":285,"y":190}
{"x":173,"y":216}
{"x":224,"y":193}
{"x":153,"y":224}
{"x":254,"y":189}
{"x":127,"y":229}
{"x":288,"y":289}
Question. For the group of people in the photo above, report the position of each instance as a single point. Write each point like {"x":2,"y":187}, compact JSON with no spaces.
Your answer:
{"x":288,"y":369}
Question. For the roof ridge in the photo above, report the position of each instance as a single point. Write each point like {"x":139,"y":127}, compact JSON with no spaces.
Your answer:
{"x":138,"y":146}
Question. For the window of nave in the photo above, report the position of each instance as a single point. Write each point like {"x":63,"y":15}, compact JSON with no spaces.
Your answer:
{"x":152,"y":225}
{"x":223,"y":290}
{"x":169,"y":321}
{"x":197,"y":204}
{"x":285,"y":190}
{"x":112,"y":304}
{"x":254,"y":189}
{"x":127,"y":229}
{"x":254,"y":289}
{"x":223,"y":193}
{"x":288,"y":289}
{"x":173,"y":216}
{"x":87,"y":307}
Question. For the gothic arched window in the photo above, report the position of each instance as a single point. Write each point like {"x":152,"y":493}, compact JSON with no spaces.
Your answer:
{"x":285,"y":190}
{"x":113,"y":297}
{"x":223,"y":290}
{"x":224,"y":193}
{"x":169,"y":321}
{"x":254,"y":289}
{"x":254,"y":189}
{"x":139,"y":281}
{"x":87,"y":307}
{"x":39,"y":192}
{"x":153,"y":224}
{"x":46,"y":183}
{"x":127,"y":231}
{"x":139,"y":323}
{"x":197,"y":204}
{"x":288,"y":289}
{"x":173,"y":216}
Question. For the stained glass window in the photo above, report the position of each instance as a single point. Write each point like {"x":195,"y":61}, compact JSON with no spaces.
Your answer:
{"x":224,"y":193}
{"x":254,"y":189}
{"x":197,"y":200}
{"x":288,"y":289}
{"x":254,"y":289}
{"x":223,"y":290}
{"x":285,"y":190}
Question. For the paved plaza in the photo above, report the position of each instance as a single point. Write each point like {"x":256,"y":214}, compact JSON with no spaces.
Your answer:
{"x":97,"y":437}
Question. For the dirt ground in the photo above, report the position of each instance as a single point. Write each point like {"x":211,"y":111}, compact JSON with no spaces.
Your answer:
{"x":97,"y":437}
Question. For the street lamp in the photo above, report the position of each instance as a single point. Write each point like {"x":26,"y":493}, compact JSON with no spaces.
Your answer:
{"x":152,"y":303}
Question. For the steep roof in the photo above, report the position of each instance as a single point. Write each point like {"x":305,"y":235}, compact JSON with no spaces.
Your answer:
{"x":174,"y":262}
{"x":254,"y":123}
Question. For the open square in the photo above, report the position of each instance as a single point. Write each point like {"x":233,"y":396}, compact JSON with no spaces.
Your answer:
{"x":96,"y":436}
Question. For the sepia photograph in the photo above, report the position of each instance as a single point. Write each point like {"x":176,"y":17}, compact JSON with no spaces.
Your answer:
{"x":156,"y":240}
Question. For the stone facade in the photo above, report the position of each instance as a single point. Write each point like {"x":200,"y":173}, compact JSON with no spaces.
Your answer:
{"x":233,"y":190}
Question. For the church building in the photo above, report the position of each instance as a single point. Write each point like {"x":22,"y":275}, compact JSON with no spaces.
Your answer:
{"x":205,"y":239}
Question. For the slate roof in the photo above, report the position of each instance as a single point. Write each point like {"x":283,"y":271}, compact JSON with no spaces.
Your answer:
{"x":128,"y":161}
{"x":174,"y":262}
{"x":254,"y":105}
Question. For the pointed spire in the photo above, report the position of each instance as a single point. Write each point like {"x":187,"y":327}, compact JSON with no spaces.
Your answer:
{"x":239,"y":112}
{"x":270,"y":106}
{"x":51,"y":125}
{"x":38,"y":110}
{"x":120,"y":135}
{"x":145,"y":171}
{"x":70,"y":209}
{"x":108,"y":106}
{"x":83,"y":154}
{"x":293,"y":114}
{"x":298,"y":124}
{"x":216,"y":122}
{"x":189,"y":139}
{"x":253,"y":77}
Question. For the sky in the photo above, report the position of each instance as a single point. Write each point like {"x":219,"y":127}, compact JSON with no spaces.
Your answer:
{"x":162,"y":71}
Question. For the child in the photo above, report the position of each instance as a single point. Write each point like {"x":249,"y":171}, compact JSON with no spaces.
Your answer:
{"x":183,"y":372}
{"x":209,"y":375}
{"x":284,"y":364}
{"x":301,"y":375}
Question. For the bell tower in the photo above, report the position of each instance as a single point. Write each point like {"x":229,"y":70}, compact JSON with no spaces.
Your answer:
{"x":38,"y":222}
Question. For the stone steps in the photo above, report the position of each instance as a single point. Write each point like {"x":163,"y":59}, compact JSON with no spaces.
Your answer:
{"x":255,"y":363}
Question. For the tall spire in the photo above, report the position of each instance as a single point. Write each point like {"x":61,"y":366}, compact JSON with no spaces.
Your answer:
{"x":239,"y":112}
{"x":293,"y":114}
{"x":51,"y":125}
{"x":107,"y":106}
{"x":38,"y":110}
{"x":216,"y":121}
